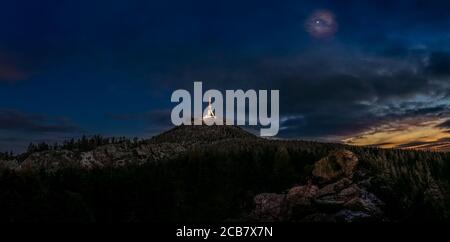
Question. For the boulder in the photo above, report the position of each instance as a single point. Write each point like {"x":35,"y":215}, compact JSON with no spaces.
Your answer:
{"x":299,"y":200}
{"x":346,"y":195}
{"x":270,"y":207}
{"x":89,"y":161}
{"x":333,"y":188}
{"x":342,"y":201}
{"x":50,"y":161}
{"x":367,"y":202}
{"x":8,"y":164}
{"x":301,"y":195}
{"x":331,"y":196}
{"x":337,"y":165}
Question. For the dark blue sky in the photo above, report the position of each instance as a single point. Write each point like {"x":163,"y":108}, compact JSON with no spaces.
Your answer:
{"x":69,"y":68}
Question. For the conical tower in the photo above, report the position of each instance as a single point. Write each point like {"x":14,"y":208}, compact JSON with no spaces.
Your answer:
{"x":210,"y":113}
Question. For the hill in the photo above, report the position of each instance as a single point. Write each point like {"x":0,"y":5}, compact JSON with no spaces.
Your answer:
{"x":201,"y":134}
{"x":222,"y":173}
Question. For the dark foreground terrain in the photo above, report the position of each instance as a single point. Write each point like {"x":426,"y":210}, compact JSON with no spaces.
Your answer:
{"x":221,"y":173}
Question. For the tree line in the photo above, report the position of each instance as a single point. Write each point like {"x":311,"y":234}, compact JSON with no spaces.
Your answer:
{"x":82,"y":144}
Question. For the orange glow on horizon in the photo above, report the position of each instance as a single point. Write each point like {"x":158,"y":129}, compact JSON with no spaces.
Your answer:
{"x":420,"y":135}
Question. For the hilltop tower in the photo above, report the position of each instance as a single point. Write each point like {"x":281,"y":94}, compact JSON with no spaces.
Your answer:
{"x":210,"y":113}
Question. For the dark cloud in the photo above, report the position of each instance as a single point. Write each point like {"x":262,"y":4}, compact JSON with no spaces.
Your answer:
{"x":13,"y":120}
{"x":380,"y":67}
{"x":336,"y":90}
{"x":155,"y":117}
{"x":444,"y":125}
{"x":439,"y":64}
{"x":339,"y":95}
{"x":153,"y":122}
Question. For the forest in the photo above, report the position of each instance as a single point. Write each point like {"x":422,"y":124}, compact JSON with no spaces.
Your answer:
{"x":214,"y":182}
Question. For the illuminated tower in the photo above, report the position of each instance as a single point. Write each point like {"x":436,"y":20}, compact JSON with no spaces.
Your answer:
{"x":210,"y":113}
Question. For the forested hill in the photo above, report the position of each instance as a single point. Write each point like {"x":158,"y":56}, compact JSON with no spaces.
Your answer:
{"x":201,"y":173}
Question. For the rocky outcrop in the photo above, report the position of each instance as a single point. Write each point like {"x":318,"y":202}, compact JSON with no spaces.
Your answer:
{"x":332,"y":195}
{"x":50,"y":161}
{"x":166,"y":146}
{"x":335,"y":166}
{"x":347,"y":198}
{"x":270,"y":207}
{"x":10,"y":164}
{"x":302,"y":195}
{"x":112,"y":155}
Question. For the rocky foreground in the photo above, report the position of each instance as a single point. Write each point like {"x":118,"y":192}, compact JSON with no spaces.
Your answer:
{"x":337,"y":192}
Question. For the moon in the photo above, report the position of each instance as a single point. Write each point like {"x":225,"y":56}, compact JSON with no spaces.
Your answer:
{"x":321,"y":24}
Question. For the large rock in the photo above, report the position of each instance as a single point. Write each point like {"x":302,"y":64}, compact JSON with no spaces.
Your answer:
{"x":332,"y":196}
{"x":337,"y":165}
{"x":8,"y":164}
{"x":89,"y":161}
{"x":50,"y":161}
{"x":270,"y":207}
{"x":299,"y":200}
{"x":342,"y":201}
{"x":345,"y":195}
{"x":301,"y":195}
{"x":334,"y":188}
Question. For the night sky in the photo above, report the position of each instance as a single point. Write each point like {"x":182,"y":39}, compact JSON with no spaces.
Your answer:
{"x":358,"y":72}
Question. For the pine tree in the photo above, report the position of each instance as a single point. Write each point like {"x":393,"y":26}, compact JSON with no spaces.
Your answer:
{"x":283,"y":170}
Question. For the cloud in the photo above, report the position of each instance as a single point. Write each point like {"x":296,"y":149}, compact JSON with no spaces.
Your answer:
{"x":370,"y":75}
{"x":338,"y":93}
{"x":153,"y":121}
{"x":14,"y":120}
{"x":444,"y":125}
{"x":155,"y":117}
{"x":439,"y":64}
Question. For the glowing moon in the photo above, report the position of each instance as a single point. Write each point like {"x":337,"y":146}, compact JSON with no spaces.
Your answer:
{"x":321,"y":24}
